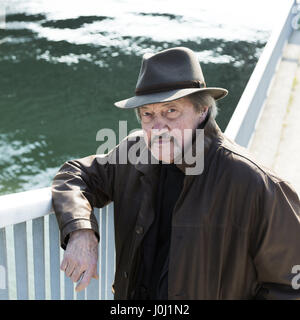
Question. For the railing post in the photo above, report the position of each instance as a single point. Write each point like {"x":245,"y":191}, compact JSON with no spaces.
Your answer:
{"x":102,"y":258}
{"x":54,"y":258}
{"x":3,"y":267}
{"x":110,"y":248}
{"x":39,"y":258}
{"x":20,"y":239}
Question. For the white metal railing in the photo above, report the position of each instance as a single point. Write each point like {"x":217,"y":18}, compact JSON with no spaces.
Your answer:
{"x":30,"y":253}
{"x":244,"y":119}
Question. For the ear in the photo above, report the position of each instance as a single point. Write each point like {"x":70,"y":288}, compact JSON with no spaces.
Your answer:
{"x":203,"y":114}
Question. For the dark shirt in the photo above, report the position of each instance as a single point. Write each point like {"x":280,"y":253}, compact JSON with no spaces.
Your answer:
{"x":152,"y":280}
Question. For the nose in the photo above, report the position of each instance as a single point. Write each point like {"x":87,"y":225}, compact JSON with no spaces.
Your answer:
{"x":159,"y":123}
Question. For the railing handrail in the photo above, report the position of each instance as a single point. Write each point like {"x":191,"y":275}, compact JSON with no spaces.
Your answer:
{"x":257,"y":87}
{"x":24,"y":206}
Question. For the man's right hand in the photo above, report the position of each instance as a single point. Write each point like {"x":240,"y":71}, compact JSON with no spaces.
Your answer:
{"x":81,"y":257}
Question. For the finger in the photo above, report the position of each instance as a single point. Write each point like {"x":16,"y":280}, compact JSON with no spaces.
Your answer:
{"x":95,"y":273}
{"x":64,"y":264}
{"x":76,"y":274}
{"x":70,"y":268}
{"x":85,"y":280}
{"x":96,"y":276}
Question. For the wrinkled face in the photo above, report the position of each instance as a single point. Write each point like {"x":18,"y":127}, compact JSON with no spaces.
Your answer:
{"x":168,"y":127}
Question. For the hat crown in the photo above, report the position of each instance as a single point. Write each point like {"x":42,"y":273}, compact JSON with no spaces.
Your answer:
{"x":170,"y":68}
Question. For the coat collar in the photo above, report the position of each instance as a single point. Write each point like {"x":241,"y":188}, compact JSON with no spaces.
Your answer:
{"x":213,"y":137}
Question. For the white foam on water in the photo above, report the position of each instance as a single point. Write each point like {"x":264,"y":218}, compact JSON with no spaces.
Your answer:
{"x":227,"y":20}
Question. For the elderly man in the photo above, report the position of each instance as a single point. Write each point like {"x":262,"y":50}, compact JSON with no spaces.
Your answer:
{"x":225,"y":228}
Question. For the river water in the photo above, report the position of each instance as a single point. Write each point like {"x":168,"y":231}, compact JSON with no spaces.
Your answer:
{"x":64,"y":63}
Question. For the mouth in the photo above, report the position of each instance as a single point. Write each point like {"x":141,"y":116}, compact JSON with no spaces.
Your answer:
{"x":161,"y":141}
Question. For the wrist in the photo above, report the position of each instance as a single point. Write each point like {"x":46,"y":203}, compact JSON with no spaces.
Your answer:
{"x":83,"y":232}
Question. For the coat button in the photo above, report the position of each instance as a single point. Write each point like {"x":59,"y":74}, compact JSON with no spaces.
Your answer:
{"x":139,"y":229}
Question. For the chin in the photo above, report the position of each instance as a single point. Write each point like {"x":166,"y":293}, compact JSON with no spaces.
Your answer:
{"x":166,"y":160}
{"x":164,"y":157}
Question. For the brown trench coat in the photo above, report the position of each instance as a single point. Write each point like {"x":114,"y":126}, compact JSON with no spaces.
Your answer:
{"x":235,"y":227}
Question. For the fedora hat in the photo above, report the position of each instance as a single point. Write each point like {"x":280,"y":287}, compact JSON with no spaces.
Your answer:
{"x":168,"y":75}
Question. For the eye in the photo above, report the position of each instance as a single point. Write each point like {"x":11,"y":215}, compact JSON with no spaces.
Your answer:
{"x":171,"y":110}
{"x":146,"y":114}
{"x":172,"y":113}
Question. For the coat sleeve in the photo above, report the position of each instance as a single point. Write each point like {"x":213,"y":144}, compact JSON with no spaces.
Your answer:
{"x":78,"y":187}
{"x":276,"y":242}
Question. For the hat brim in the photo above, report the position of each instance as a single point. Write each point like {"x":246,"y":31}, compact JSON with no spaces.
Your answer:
{"x":138,"y":101}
